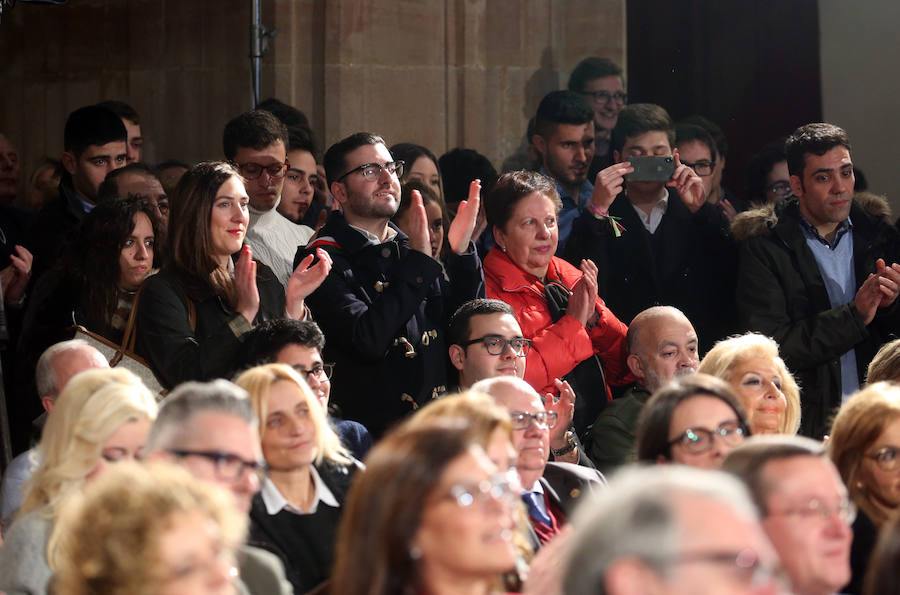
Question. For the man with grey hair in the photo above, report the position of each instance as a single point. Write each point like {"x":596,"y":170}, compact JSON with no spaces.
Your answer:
{"x":661,"y":344}
{"x":210,"y":429}
{"x":804,"y":505}
{"x":670,"y":529}
{"x":56,"y":366}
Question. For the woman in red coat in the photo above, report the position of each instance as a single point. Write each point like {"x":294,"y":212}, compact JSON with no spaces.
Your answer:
{"x":521,"y":270}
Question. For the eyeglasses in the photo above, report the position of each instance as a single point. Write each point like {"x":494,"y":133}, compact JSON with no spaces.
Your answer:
{"x":702,"y":168}
{"x":502,"y":487}
{"x":816,"y":508}
{"x":319,"y":371}
{"x":746,"y":564}
{"x":779,"y":189}
{"x":496,"y":345}
{"x":251,"y":171}
{"x":372,"y":171}
{"x":886,"y":457}
{"x":521,"y":420}
{"x":605,"y":97}
{"x":229,"y":467}
{"x":700,"y":440}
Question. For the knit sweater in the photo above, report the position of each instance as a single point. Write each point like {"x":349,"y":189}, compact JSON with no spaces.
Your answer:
{"x":274,"y":241}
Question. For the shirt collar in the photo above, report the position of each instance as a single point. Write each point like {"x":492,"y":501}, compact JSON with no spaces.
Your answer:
{"x":275,"y":502}
{"x":584,"y":192}
{"x":810,"y":230}
{"x":372,"y":238}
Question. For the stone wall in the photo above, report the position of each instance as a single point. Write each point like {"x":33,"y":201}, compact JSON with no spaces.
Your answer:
{"x":443,"y":73}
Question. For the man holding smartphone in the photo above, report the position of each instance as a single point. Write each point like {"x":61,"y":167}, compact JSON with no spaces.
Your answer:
{"x":653,"y":236}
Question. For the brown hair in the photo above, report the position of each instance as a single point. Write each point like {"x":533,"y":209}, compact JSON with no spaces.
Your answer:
{"x":857,"y":426}
{"x":886,"y":363}
{"x":513,"y":187}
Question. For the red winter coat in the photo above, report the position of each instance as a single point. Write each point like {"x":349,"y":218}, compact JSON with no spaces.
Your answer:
{"x":556,"y":347}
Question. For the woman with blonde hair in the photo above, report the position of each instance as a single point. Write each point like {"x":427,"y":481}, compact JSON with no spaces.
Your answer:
{"x":864,"y":444}
{"x":886,"y":363}
{"x":103,"y":416}
{"x":154,"y":530}
{"x":751,"y":364}
{"x":297,"y":511}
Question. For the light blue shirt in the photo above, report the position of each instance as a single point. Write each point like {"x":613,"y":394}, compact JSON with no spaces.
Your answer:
{"x":572,"y":207}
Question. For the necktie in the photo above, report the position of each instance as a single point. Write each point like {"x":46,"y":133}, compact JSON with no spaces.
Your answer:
{"x":531,"y":500}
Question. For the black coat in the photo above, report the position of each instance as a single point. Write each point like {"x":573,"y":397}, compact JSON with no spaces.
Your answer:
{"x":687,"y":263}
{"x":781,"y":294}
{"x":384,"y":310}
{"x":210,"y":349}
{"x":53,"y":227}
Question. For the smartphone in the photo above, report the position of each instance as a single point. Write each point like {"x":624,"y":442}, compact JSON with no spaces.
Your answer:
{"x":651,"y":169}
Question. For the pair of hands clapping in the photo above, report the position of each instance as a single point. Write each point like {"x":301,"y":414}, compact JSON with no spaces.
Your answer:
{"x":461,"y":228}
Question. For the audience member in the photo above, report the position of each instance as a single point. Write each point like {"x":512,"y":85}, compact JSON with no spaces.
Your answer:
{"x":460,"y":167}
{"x":132,"y":122}
{"x":796,"y":283}
{"x":674,"y":249}
{"x":56,"y":366}
{"x":152,"y":529}
{"x":864,"y":445}
{"x":94,"y":143}
{"x":486,"y":341}
{"x":192,"y":315}
{"x":405,"y":218}
{"x":296,"y":514}
{"x":256,"y":143}
{"x":169,"y":173}
{"x":102,"y":416}
{"x":886,"y":364}
{"x":676,"y":530}
{"x":574,"y":336}
{"x":421,"y":165}
{"x":697,"y":150}
{"x":602,"y":82}
{"x":431,"y":514}
{"x":300,"y":181}
{"x":695,"y":420}
{"x":768,"y":180}
{"x":564,"y":138}
{"x":43,"y":185}
{"x":719,"y":194}
{"x":661,"y":346}
{"x":9,"y":171}
{"x":882,"y":577}
{"x":300,"y":345}
{"x":211,"y":430}
{"x":751,"y":365}
{"x":385,"y":305}
{"x":551,"y":490}
{"x":136,"y":179}
{"x":804,"y":506}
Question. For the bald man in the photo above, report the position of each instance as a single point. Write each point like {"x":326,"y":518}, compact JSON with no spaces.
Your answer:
{"x":661,"y":344}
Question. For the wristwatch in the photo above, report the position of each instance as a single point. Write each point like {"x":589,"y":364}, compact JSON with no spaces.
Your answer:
{"x":569,"y":447}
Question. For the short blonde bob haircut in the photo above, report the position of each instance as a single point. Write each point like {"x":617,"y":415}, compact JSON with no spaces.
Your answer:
{"x":109,"y":539}
{"x":731,"y":352}
{"x":94,"y":404}
{"x":259,"y":380}
{"x":855,"y":429}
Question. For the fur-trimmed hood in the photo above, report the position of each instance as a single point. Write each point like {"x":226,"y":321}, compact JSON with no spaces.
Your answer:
{"x":760,"y":221}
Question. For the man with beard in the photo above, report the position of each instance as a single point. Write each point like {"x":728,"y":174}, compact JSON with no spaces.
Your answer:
{"x":385,"y":305}
{"x":661,"y":345}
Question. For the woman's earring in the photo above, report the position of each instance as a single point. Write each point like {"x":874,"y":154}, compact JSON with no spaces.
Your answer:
{"x":415,"y":553}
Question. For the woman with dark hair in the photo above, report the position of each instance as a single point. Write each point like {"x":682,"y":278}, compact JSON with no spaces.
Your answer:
{"x":107,"y":261}
{"x":434,"y":211}
{"x":421,"y":165}
{"x":695,"y":420}
{"x":556,"y":304}
{"x":210,"y":291}
{"x":431,"y":514}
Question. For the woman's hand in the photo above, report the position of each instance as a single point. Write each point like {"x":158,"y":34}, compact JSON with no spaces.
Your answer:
{"x":245,"y":285}
{"x":305,"y":280}
{"x":14,"y":278}
{"x":463,"y":224}
{"x":582,"y":302}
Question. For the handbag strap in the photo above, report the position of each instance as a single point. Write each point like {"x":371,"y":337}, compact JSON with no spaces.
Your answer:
{"x":130,"y":333}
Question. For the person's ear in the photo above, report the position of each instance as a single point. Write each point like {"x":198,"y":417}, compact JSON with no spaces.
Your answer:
{"x":339,"y":192}
{"x":540,"y":143}
{"x":636,"y":366}
{"x":617,"y":157}
{"x":70,"y":162}
{"x":457,"y":356}
{"x":797,"y":186}
{"x":499,"y":238}
{"x":47,"y":403}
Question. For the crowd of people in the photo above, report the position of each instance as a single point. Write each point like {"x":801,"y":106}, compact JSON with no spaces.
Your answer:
{"x":378,"y":371}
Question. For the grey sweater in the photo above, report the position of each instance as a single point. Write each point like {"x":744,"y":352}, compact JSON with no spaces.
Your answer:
{"x":23,"y":557}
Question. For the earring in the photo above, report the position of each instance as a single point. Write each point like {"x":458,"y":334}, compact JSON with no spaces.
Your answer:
{"x":415,"y":553}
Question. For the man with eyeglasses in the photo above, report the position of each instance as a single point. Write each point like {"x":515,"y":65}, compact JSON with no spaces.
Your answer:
{"x":602,"y":83}
{"x":551,"y":489}
{"x":256,"y":143}
{"x":385,"y":304}
{"x":805,"y":508}
{"x":210,"y":429}
{"x":671,"y":529}
{"x":300,"y":344}
{"x":697,"y":151}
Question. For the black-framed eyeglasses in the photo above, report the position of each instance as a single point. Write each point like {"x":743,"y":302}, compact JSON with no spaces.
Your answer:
{"x":700,"y":440}
{"x":779,"y":189}
{"x":251,"y":171}
{"x":747,"y":565}
{"x":496,"y":345}
{"x":228,"y":467}
{"x":816,"y":508}
{"x":702,"y":168}
{"x":372,"y":171}
{"x":319,"y":371}
{"x":605,"y":96}
{"x":521,"y":420}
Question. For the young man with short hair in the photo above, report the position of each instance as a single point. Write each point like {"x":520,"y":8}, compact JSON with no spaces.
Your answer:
{"x":602,"y":83}
{"x":132,"y":122}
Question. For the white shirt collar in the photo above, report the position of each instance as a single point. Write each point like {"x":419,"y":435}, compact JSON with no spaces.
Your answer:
{"x":391,"y":234}
{"x":275,"y":502}
{"x":652,"y":220}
